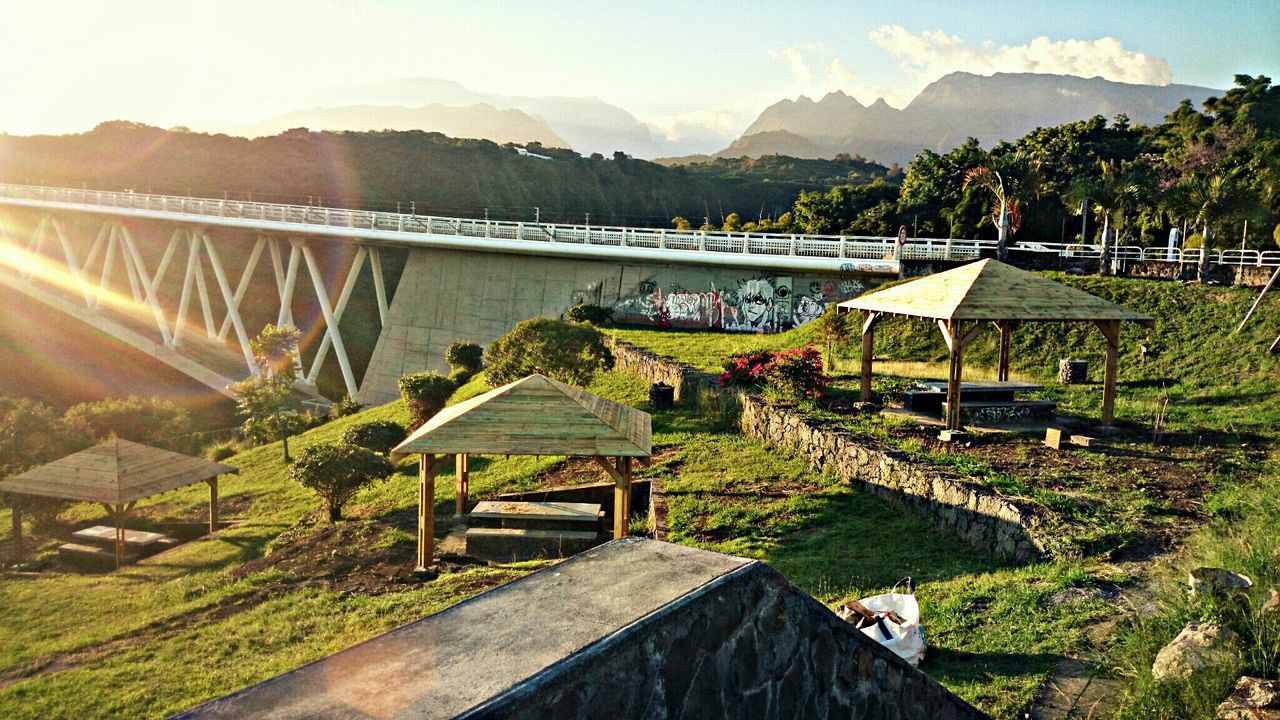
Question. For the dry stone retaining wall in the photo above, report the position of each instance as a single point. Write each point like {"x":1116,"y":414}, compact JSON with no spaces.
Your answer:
{"x":983,"y":518}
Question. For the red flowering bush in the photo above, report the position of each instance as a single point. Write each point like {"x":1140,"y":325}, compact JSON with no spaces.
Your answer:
{"x":795,"y":374}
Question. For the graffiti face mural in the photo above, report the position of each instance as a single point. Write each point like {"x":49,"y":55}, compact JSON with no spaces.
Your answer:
{"x":763,"y":303}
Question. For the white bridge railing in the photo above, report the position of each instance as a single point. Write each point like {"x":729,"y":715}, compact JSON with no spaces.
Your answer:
{"x":833,"y":247}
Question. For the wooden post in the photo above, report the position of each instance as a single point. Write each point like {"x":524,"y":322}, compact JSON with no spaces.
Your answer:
{"x":868,"y":351}
{"x":1111,"y":331}
{"x":622,"y":498}
{"x":1006,"y":340}
{"x":213,"y":504}
{"x":426,"y":511}
{"x":17,"y":534}
{"x":118,"y":515}
{"x":462,"y":473}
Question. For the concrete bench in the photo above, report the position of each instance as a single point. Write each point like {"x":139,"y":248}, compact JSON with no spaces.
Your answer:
{"x":516,"y":544}
{"x":91,"y":555}
{"x":1011,"y":412}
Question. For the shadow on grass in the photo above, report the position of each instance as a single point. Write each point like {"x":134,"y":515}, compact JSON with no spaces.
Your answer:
{"x":954,"y":667}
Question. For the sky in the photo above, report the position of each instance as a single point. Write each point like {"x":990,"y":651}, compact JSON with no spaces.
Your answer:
{"x":681,"y":67}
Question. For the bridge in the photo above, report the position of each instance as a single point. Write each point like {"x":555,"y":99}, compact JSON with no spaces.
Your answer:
{"x":462,"y":279}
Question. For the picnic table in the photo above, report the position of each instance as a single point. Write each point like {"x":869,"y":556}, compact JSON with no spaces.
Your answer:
{"x":930,"y":395}
{"x":106,"y":535}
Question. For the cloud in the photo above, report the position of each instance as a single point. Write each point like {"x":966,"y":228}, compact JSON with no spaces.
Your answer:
{"x":931,"y":54}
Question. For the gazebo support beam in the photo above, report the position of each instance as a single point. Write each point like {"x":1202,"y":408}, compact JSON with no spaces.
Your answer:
{"x":956,"y":336}
{"x":868,"y":350}
{"x":16,"y":550}
{"x":620,"y":471}
{"x":427,"y":468}
{"x":213,"y":504}
{"x":462,"y":475}
{"x":1111,"y":331}
{"x":1006,"y":328}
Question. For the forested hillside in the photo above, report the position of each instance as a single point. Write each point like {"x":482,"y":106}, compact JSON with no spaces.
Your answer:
{"x":437,"y":174}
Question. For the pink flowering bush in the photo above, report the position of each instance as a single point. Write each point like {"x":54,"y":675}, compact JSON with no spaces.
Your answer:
{"x":795,"y":374}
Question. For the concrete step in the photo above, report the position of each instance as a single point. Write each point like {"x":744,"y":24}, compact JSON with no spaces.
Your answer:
{"x":516,"y":544}
{"x":565,"y":516}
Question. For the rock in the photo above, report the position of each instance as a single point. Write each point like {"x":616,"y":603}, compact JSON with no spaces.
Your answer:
{"x":1199,"y":647}
{"x":1217,"y":581}
{"x":1271,"y":606}
{"x":1252,"y":699}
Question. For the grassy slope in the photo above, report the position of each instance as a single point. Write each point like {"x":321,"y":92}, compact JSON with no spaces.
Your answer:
{"x":1222,"y":387}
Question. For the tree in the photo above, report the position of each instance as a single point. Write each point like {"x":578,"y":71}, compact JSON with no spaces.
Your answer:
{"x":732,"y":223}
{"x":377,"y":435}
{"x":1012,"y":181}
{"x":32,"y":434}
{"x":1114,"y":192}
{"x":833,"y":328}
{"x":151,"y":421}
{"x":425,"y":394}
{"x":263,"y":397}
{"x":1211,"y":201}
{"x":681,"y":223}
{"x":569,"y":352}
{"x":337,"y":471}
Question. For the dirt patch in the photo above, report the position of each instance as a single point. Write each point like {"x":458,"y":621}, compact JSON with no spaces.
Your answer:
{"x":364,"y":556}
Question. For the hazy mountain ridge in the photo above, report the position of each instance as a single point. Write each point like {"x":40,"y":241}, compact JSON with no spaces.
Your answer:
{"x":586,"y":124}
{"x":1003,"y":106}
{"x":479,"y":121}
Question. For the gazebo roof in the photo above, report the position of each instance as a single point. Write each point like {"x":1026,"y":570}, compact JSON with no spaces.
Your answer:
{"x":535,"y":416}
{"x":114,"y":472}
{"x":992,"y":290}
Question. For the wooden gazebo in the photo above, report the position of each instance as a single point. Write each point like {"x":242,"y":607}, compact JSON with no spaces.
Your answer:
{"x":116,"y":474}
{"x":532,"y":416}
{"x":964,"y":299}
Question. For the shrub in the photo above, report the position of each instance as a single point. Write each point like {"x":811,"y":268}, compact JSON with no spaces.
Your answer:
{"x":461,"y":376}
{"x":336,"y":472}
{"x":43,"y":511}
{"x":343,"y":407}
{"x":378,"y":435}
{"x":794,"y":374}
{"x":590,"y":314}
{"x":151,"y":421}
{"x":221,"y":451}
{"x":425,"y":393}
{"x":569,"y":352}
{"x":464,"y":356}
{"x":746,"y":369}
{"x":797,"y":373}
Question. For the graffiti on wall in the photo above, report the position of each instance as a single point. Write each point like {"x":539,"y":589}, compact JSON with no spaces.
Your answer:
{"x":762,"y":303}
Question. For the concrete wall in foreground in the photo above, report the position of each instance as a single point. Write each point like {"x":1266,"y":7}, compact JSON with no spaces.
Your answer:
{"x":448,"y":295}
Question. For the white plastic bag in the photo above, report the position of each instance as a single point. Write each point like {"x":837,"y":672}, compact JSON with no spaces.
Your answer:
{"x":905,"y":639}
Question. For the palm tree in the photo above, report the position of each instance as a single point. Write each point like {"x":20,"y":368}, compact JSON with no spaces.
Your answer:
{"x":1210,"y":201}
{"x":1115,"y":192}
{"x":1012,"y":180}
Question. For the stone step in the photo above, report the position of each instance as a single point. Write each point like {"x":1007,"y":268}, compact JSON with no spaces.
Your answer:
{"x":516,"y":544}
{"x":569,"y":517}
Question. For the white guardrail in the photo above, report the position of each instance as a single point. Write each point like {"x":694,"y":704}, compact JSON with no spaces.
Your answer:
{"x":834,"y":247}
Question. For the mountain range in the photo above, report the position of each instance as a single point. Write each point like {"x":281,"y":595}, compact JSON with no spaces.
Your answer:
{"x":992,"y":108}
{"x":1004,"y":106}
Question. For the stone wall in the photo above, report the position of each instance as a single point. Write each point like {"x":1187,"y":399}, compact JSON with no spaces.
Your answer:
{"x":981,"y":517}
{"x":1245,"y":275}
{"x":750,"y":645}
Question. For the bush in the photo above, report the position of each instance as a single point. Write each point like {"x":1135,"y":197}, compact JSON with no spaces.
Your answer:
{"x":378,"y":435}
{"x":150,"y":421}
{"x":43,"y":511}
{"x":425,"y":393}
{"x":464,"y":356}
{"x":746,"y":369}
{"x":343,"y":407}
{"x":336,"y":472}
{"x":221,"y":451}
{"x":461,"y":376}
{"x":794,"y":374}
{"x":569,"y":352}
{"x":590,"y":314}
